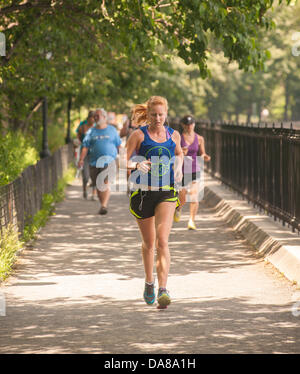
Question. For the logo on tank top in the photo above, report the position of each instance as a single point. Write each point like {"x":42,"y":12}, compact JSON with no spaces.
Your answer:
{"x":160,"y":160}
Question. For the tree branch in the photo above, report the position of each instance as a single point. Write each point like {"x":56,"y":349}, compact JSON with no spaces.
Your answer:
{"x":28,"y":5}
{"x":34,"y":108}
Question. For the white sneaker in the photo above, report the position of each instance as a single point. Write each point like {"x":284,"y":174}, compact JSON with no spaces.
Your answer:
{"x":191,"y":225}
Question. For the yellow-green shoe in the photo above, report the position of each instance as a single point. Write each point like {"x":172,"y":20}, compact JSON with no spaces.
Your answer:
{"x":177,"y":215}
{"x":163,"y":298}
{"x":191,"y":225}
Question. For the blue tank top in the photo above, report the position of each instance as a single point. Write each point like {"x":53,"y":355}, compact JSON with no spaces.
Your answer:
{"x":162,"y":159}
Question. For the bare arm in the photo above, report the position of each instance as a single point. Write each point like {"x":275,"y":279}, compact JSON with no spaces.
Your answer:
{"x":202,"y":148}
{"x":179,"y":156}
{"x":133,"y":144}
{"x":79,"y":135}
{"x":83,"y":154}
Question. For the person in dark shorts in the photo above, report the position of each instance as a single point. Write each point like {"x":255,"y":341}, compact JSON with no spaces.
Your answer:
{"x":102,"y":142}
{"x":153,"y":199}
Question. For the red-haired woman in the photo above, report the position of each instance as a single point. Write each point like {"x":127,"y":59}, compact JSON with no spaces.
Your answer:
{"x":154,"y":198}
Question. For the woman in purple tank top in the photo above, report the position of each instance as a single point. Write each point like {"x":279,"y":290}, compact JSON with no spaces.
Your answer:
{"x":192,"y":145}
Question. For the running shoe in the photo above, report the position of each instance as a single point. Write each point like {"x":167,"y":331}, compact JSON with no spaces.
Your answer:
{"x":191,"y":225}
{"x":149,"y":294}
{"x":177,"y":215}
{"x":163,"y":298}
{"x":103,"y":210}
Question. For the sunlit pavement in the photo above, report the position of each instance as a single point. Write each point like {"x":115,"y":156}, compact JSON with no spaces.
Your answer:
{"x":79,"y":289}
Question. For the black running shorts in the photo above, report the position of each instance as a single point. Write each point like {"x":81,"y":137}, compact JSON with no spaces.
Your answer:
{"x":143,"y":203}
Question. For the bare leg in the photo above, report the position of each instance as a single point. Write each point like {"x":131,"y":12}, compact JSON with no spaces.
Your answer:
{"x":104,"y":196}
{"x":164,"y":213}
{"x":94,"y":193}
{"x":84,"y":184}
{"x":147,"y":229}
{"x":193,"y":210}
{"x":194,"y":204}
{"x":85,"y":175}
{"x":182,"y":197}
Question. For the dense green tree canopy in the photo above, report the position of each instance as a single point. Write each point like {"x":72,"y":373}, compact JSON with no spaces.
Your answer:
{"x":108,"y":49}
{"x":126,"y":26}
{"x":219,"y":60}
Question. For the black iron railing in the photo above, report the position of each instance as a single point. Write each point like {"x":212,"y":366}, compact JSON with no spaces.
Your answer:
{"x":22,"y":198}
{"x":260,"y":162}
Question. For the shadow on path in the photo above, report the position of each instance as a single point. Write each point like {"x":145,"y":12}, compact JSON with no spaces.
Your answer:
{"x":101,"y":325}
{"x":79,"y":290}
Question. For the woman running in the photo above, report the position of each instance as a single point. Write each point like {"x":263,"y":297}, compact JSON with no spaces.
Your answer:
{"x":192,"y":145}
{"x":154,"y":199}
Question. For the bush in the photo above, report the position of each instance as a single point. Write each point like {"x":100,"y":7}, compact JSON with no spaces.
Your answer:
{"x":16,"y":153}
{"x":9,"y":245}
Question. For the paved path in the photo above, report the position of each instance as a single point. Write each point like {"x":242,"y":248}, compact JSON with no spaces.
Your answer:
{"x":79,"y":290}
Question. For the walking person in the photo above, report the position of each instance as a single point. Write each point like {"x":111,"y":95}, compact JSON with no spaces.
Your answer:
{"x":103,"y":143}
{"x":192,"y":145}
{"x":154,"y":199}
{"x":81,"y":131}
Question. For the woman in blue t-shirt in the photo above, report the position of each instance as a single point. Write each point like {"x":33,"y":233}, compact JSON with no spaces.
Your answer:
{"x":153,"y":201}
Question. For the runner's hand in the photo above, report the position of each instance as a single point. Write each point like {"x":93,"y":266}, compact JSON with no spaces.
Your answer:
{"x":206,"y":157}
{"x":178,"y":175}
{"x":144,"y":166}
{"x":185,"y":150}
